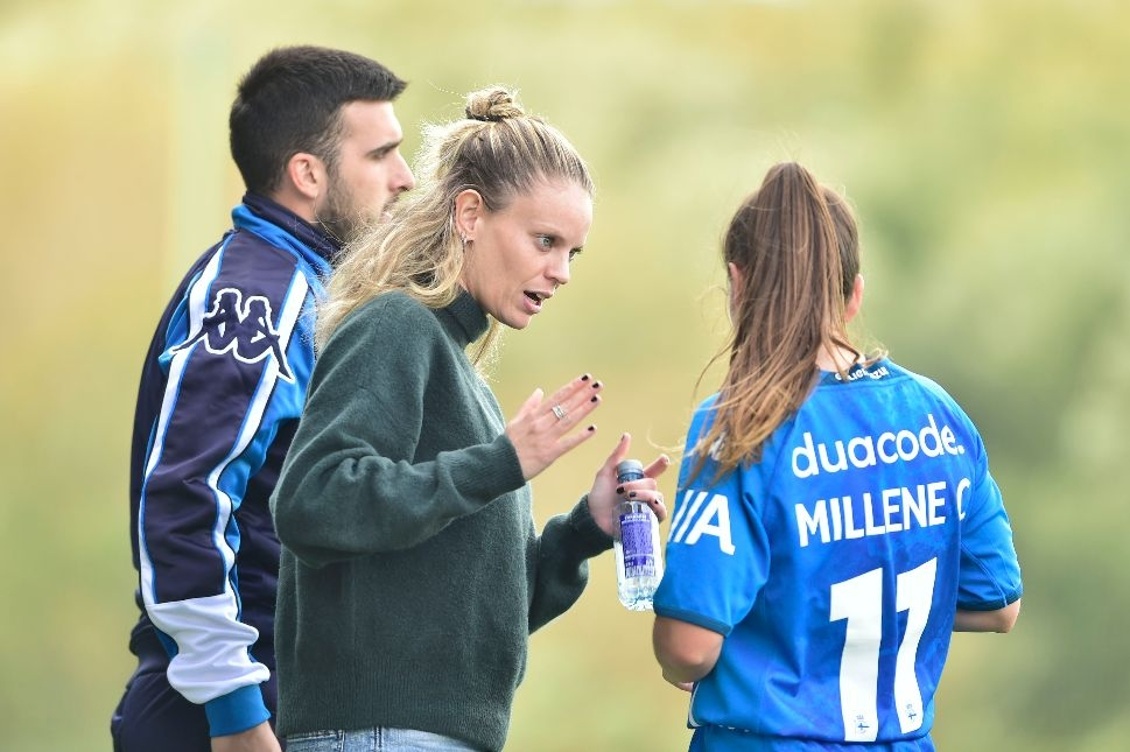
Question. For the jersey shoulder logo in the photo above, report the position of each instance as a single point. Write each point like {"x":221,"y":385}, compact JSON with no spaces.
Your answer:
{"x":242,"y":327}
{"x":703,"y":513}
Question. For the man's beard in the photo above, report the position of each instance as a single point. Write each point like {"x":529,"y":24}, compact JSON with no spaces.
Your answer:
{"x":341,"y":218}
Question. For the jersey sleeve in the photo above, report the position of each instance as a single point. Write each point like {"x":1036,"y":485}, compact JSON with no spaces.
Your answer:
{"x":237,"y":358}
{"x":989,"y":576}
{"x":717,"y":553}
{"x":990,"y":571}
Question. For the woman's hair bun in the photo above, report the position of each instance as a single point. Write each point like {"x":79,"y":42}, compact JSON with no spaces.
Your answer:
{"x":492,"y":104}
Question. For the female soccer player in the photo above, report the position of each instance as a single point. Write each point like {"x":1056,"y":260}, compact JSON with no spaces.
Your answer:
{"x":836,"y":520}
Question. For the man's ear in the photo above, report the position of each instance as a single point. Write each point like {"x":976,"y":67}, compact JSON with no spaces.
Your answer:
{"x":855,"y":302}
{"x":307,"y":175}
{"x":469,"y":209}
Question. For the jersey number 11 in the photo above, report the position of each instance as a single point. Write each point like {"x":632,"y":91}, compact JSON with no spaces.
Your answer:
{"x":860,"y":601}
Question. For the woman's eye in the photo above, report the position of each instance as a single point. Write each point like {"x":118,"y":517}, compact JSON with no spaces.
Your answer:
{"x":545,"y":241}
{"x":574,"y":253}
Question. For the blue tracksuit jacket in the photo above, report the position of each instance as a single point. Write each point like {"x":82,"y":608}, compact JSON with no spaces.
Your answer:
{"x":221,"y":391}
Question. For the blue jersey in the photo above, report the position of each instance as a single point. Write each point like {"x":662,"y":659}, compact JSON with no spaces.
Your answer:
{"x":834,"y":565}
{"x":221,"y":392}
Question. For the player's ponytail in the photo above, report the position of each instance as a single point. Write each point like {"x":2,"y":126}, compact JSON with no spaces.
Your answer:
{"x":795,"y":245}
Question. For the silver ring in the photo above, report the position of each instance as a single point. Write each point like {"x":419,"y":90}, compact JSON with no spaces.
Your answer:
{"x":559,"y":411}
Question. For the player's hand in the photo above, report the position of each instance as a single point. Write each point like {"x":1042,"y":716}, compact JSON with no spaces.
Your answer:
{"x":259,"y":738}
{"x":542,"y":430}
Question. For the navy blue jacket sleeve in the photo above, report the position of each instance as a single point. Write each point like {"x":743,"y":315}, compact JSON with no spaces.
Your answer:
{"x":236,"y":353}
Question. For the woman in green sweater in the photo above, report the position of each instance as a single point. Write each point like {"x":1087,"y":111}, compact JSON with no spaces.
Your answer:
{"x":412,"y":573}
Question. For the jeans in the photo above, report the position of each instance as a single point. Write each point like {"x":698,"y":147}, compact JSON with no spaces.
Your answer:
{"x":379,"y":739}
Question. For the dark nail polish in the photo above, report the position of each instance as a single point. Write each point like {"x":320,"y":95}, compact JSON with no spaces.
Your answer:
{"x":595,"y":399}
{"x":619,"y":489}
{"x":586,"y":377}
{"x":592,"y":428}
{"x":596,"y":385}
{"x":631,"y":494}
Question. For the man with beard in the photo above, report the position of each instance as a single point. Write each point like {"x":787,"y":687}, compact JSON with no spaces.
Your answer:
{"x":316,"y":140}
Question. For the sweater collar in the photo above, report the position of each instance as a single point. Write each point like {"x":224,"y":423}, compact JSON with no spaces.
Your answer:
{"x":464,"y":319}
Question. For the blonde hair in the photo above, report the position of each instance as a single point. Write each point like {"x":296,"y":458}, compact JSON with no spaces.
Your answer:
{"x":497,"y":150}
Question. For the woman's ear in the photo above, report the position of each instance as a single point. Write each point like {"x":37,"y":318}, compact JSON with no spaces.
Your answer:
{"x":469,"y":209}
{"x":855,"y":302}
{"x":737,"y":285}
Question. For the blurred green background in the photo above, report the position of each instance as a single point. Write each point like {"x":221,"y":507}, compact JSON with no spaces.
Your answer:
{"x":985,"y":144}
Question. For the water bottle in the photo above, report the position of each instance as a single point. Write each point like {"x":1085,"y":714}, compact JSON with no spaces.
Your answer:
{"x":639,"y":562}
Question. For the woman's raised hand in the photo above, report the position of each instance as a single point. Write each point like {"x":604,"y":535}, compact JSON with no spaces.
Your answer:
{"x":543,"y":429}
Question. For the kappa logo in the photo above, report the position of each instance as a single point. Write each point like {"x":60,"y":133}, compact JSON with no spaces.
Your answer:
{"x":241,"y":327}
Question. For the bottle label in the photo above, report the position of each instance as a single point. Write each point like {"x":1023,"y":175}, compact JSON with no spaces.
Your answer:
{"x":635,"y":537}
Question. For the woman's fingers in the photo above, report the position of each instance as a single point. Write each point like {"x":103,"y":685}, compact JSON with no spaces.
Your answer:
{"x":570,"y":404}
{"x":544,"y":429}
{"x":572,"y":441}
{"x":653,"y":497}
{"x":619,"y":454}
{"x":646,"y":489}
{"x":658,"y":466}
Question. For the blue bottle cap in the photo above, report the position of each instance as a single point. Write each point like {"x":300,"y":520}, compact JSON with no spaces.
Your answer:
{"x":629,"y":470}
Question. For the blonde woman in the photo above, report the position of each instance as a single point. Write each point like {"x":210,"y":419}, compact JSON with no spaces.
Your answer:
{"x":412,"y":573}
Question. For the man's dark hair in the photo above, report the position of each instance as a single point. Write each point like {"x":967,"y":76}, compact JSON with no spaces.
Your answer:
{"x":290,"y":102}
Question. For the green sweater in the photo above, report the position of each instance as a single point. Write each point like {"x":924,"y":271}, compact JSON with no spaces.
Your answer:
{"x":412,"y":574}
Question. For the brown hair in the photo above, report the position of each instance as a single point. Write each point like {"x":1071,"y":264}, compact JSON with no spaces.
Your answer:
{"x":291,"y":100}
{"x":796,"y":245}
